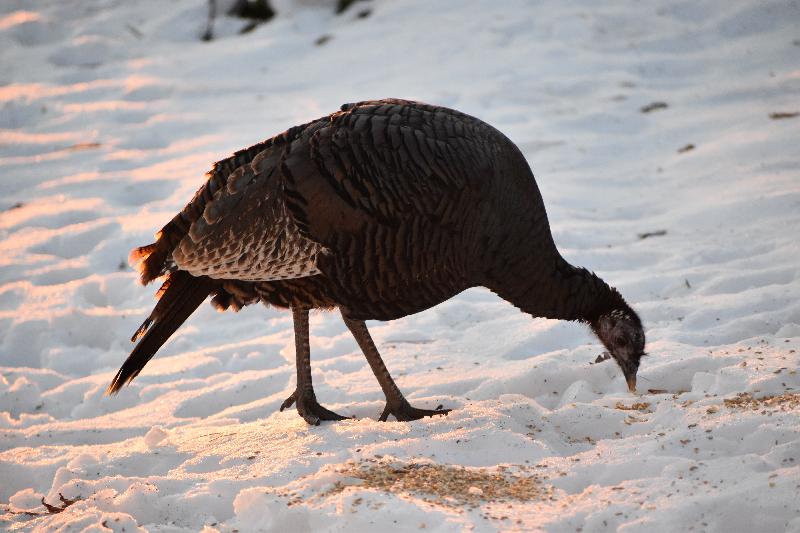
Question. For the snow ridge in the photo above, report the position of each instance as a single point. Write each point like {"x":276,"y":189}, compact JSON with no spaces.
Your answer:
{"x":663,"y":136}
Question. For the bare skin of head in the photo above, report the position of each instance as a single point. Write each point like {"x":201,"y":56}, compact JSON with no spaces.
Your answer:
{"x":622,"y":334}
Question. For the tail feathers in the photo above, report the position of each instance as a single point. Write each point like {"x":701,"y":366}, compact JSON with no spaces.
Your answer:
{"x":150,"y":260}
{"x":182,"y":294}
{"x":137,"y":255}
{"x":163,"y":305}
{"x":142,"y":329}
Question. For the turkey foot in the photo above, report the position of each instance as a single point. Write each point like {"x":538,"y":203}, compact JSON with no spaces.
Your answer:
{"x":396,"y":403}
{"x":403,"y":411}
{"x":308,"y":407}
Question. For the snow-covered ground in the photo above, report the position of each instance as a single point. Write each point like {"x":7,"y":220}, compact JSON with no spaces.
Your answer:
{"x":111,"y":112}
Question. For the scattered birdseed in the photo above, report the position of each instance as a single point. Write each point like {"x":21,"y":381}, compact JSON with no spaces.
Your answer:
{"x":629,"y":420}
{"x":745,"y":400}
{"x":447,"y":485}
{"x":638,"y":406}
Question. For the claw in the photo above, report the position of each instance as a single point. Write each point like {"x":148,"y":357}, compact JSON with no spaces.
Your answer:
{"x":308,"y":407}
{"x":288,"y":402}
{"x":403,"y":411}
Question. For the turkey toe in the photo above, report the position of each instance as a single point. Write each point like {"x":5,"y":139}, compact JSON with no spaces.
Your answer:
{"x":404,"y":412}
{"x":308,"y":407}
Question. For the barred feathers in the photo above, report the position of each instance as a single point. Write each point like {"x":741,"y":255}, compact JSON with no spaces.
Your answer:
{"x":384,"y":208}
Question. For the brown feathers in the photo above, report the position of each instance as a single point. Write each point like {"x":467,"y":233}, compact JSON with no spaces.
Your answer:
{"x":181,"y":295}
{"x":385,"y":208}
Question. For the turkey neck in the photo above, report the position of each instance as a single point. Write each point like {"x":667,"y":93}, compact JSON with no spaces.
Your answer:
{"x":543,"y":284}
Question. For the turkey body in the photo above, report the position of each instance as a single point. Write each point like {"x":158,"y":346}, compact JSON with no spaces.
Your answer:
{"x":386,"y":208}
{"x":383,"y":209}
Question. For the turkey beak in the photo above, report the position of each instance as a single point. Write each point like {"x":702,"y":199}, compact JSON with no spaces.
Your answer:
{"x":631,"y":383}
{"x":629,"y":371}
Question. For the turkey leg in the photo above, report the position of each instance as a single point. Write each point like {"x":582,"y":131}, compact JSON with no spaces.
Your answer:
{"x":303,"y":396}
{"x":396,"y":403}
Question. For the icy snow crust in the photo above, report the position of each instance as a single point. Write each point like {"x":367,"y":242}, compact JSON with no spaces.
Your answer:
{"x":111,"y":112}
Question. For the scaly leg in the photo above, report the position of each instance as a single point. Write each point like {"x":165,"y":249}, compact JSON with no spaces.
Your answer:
{"x":303,"y":395}
{"x":396,"y":403}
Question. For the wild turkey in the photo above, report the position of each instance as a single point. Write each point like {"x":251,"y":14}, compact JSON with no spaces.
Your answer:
{"x":383,"y":209}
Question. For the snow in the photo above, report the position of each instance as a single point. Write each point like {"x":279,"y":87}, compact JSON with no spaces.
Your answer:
{"x":110,"y":114}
